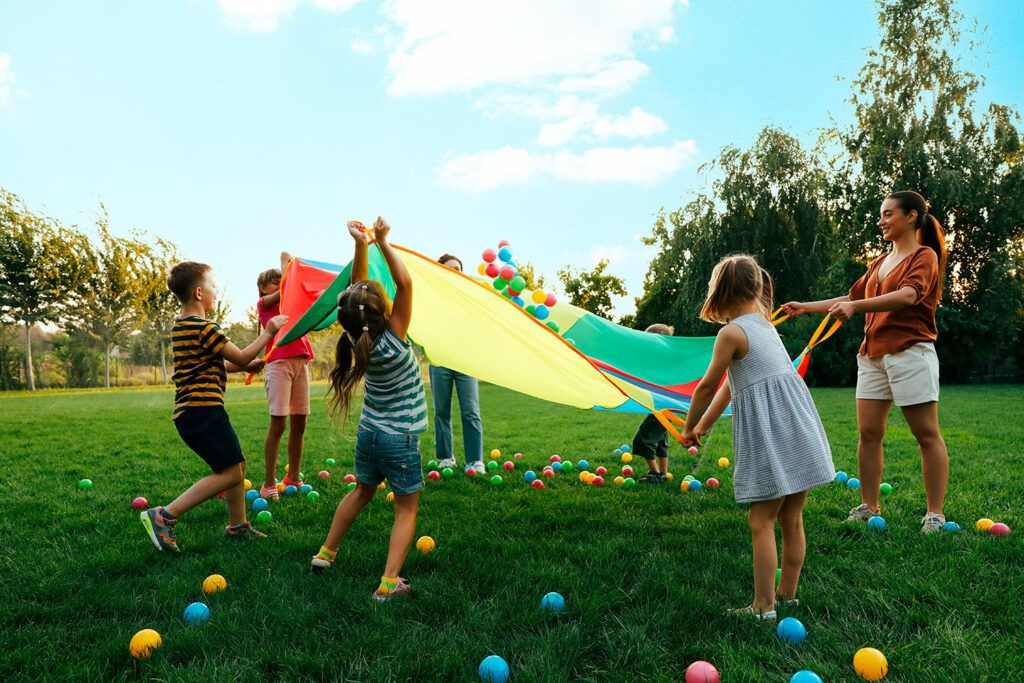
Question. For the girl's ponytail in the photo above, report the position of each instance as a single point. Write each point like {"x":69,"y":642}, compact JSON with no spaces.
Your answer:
{"x":363,"y":314}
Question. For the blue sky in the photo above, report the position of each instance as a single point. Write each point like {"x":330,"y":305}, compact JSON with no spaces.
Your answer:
{"x":237,"y":128}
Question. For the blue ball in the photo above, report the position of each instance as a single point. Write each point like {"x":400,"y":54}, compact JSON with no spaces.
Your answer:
{"x":618,"y":451}
{"x":583,"y":465}
{"x":541,"y":312}
{"x":505,"y":254}
{"x":290,"y":490}
{"x":696,"y":485}
{"x":251,"y":495}
{"x":842,"y":477}
{"x":305,"y":488}
{"x":518,"y":301}
{"x":195,"y":614}
{"x":791,"y":630}
{"x":951,"y":527}
{"x":556,"y":466}
{"x":259,"y":504}
{"x":529,"y":476}
{"x":877,"y":523}
{"x":853,"y":483}
{"x":624,"y":448}
{"x":552,"y":602}
{"x":805,"y":676}
{"x":493,"y":669}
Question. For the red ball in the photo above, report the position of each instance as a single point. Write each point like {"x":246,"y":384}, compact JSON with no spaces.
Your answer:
{"x":470,"y":471}
{"x":323,"y":474}
{"x":999,"y":529}
{"x":504,"y":243}
{"x":507,"y":273}
{"x":556,"y":458}
{"x":140,"y":503}
{"x":550,"y":301}
{"x":489,"y":256}
{"x":597,"y":481}
{"x":548,"y":472}
{"x":433,"y":475}
{"x":602,"y":471}
{"x":627,"y":471}
{"x":491,"y":270}
{"x":537,"y":484}
{"x":517,"y":456}
{"x":712,"y":483}
{"x":349,"y":478}
{"x":702,"y":672}
{"x":508,"y":466}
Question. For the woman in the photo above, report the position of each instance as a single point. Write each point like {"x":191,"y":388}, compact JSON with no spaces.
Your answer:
{"x":897,"y":361}
{"x":441,"y":382}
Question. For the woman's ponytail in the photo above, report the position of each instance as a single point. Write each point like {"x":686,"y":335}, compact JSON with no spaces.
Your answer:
{"x":927,"y":227}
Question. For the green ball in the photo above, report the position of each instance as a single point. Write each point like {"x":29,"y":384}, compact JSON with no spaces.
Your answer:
{"x":629,"y":482}
{"x":492,"y":465}
{"x":329,"y":462}
{"x":264,"y":517}
{"x":496,"y":480}
{"x":567,"y":466}
{"x":447,"y":473}
{"x":85,"y":484}
{"x":886,"y":489}
{"x":351,"y":485}
{"x":313,"y":496}
{"x":432,"y":465}
{"x":531,"y":308}
{"x":688,"y":477}
{"x":301,"y":476}
{"x":778,"y":575}
{"x":553,"y":325}
{"x":500,"y":284}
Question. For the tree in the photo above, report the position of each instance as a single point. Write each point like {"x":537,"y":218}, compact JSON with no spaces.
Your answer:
{"x":42,"y":266}
{"x":160,"y":306}
{"x":533,"y":279}
{"x":592,"y":290}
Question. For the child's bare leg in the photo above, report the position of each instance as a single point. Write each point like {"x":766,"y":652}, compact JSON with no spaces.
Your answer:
{"x":662,"y":465}
{"x":794,"y":545}
{"x":296,"y":432}
{"x":348,"y":509}
{"x":652,"y":465}
{"x":208,"y":487}
{"x":270,"y":449}
{"x":761,"y":519}
{"x":401,"y":533}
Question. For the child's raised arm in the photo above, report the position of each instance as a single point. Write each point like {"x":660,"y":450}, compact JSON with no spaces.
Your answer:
{"x":241,"y":358}
{"x":401,"y":307}
{"x":730,"y":340}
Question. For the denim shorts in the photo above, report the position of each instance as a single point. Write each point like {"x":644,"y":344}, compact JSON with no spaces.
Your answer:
{"x":395,"y":457}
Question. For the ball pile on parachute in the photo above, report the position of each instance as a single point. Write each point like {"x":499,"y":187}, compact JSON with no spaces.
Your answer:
{"x":503,"y":271}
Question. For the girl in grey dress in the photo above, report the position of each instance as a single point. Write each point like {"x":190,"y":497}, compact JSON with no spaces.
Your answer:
{"x":780,"y":446}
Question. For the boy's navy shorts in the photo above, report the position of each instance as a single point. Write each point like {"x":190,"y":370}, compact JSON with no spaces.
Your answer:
{"x":208,"y":431}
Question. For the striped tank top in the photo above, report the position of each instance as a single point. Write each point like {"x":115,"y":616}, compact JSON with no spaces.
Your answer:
{"x":394,"y":400}
{"x":199,"y":375}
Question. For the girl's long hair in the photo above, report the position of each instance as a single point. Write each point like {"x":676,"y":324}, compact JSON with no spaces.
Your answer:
{"x":927,"y":227}
{"x":736,"y":279}
{"x":363,"y":311}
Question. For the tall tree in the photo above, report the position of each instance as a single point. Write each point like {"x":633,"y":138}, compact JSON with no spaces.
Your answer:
{"x":592,"y":290}
{"x":160,"y":306}
{"x":42,"y":266}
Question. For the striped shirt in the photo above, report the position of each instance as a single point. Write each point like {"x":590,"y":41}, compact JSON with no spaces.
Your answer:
{"x":199,"y":374}
{"x":394,"y":401}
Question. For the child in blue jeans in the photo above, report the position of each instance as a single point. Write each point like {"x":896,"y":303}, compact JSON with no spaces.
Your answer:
{"x":373,"y":348}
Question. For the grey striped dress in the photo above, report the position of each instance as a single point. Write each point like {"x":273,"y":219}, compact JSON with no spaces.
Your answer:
{"x":394,"y":402}
{"x":779,"y":442}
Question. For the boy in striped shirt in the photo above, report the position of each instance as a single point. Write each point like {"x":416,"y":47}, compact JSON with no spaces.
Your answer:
{"x":202,"y":357}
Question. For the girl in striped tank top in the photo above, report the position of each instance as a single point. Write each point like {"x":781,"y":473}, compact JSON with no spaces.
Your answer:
{"x":779,"y":443}
{"x":373,"y":349}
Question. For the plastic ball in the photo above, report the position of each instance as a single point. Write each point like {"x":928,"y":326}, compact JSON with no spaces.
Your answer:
{"x":305,"y":488}
{"x":537,"y":484}
{"x":624,"y":448}
{"x":491,"y":270}
{"x":214,"y":583}
{"x":723,"y":462}
{"x":583,"y":475}
{"x":141,"y":503}
{"x":627,"y":457}
{"x":778,"y":575}
{"x":951,"y":527}
{"x":489,"y":255}
{"x":350,"y":486}
{"x":885,"y":489}
{"x":696,"y":485}
{"x":144,"y":642}
{"x":530,"y":308}
{"x":529,"y":475}
{"x":250,"y":496}
{"x":790,"y":630}
{"x":433,"y":475}
{"x":517,"y":284}
{"x":692,"y":450}
{"x":841,"y":477}
{"x":426,"y":545}
{"x":870,"y":664}
{"x":482,"y":269}
{"x":290,"y":490}
{"x":500,"y":284}
{"x":431,"y":465}
{"x":548,"y":472}
{"x":264,"y":517}
{"x":702,"y":672}
{"x":538,"y":297}
{"x":280,"y":487}
{"x":555,"y":327}
{"x":470,"y":471}
{"x":492,"y":465}
{"x":312,"y":496}
{"x":619,"y":481}
{"x":712,"y":483}
{"x":508,"y":465}
{"x":541,"y":312}
{"x":506,"y":273}
{"x":85,"y":484}
{"x":248,"y":484}
{"x":552,"y":602}
{"x":493,"y":669}
{"x":556,"y":466}
{"x":877,"y":523}
{"x":983,"y":524}
{"x":550,"y":300}
{"x":329,"y":462}
{"x":496,"y":480}
{"x":999,"y":529}
{"x":597,"y":481}
{"x":853,"y":483}
{"x":601,"y":471}
{"x":670,"y":476}
{"x":518,"y":301}
{"x":567,"y":466}
{"x":517,"y":456}
{"x":447,"y":472}
{"x":805,"y":676}
{"x":323,"y":474}
{"x":583,"y":465}
{"x":556,"y":458}
{"x":195,"y":614}
{"x":495,"y":454}
{"x":618,"y":451}
{"x":259,"y":504}
{"x":627,"y":471}
{"x":629,"y":483}
{"x":505,"y":254}
{"x":390,"y":498}
{"x":504,"y":243}
{"x":684,"y":485}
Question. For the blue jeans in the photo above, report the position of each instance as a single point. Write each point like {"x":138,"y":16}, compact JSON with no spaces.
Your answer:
{"x":395,"y":457}
{"x":441,"y":381}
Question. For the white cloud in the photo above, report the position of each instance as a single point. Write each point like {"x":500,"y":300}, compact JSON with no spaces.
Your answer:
{"x":264,"y":16}
{"x":613,"y":255}
{"x":639,"y":124}
{"x":361,"y":46}
{"x":615,"y":78}
{"x":6,"y":77}
{"x":640,"y":165}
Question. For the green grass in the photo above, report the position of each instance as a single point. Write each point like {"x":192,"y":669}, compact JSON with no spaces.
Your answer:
{"x":646,"y":572}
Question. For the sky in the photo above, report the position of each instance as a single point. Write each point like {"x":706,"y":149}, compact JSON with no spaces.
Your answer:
{"x":238,"y":128}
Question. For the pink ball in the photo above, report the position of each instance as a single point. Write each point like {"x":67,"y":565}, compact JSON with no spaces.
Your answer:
{"x":627,"y":471}
{"x":491,"y":270}
{"x":692,"y":450}
{"x":551,"y":300}
{"x":548,"y":472}
{"x":140,"y":503}
{"x":712,"y":483}
{"x":349,"y":478}
{"x":509,"y":466}
{"x":489,"y":256}
{"x":537,"y":484}
{"x":999,"y":529}
{"x":504,"y":243}
{"x":323,"y":474}
{"x":507,"y":272}
{"x":518,"y":456}
{"x":556,"y":458}
{"x":702,"y":672}
{"x":602,"y":470}
{"x":597,"y":481}
{"x":433,"y":475}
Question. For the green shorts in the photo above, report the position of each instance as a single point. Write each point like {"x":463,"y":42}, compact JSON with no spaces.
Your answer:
{"x":651,"y":439}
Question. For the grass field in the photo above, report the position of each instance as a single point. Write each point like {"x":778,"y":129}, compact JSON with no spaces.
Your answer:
{"x":646,"y":572}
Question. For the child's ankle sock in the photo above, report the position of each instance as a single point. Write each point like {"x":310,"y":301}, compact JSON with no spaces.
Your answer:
{"x":387,"y":585}
{"x":327,"y":554}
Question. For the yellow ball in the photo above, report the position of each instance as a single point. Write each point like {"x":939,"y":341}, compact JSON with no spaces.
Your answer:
{"x":280,"y":487}
{"x":390,"y":497}
{"x":583,"y":476}
{"x":482,"y":269}
{"x":870,"y":664}
{"x":723,"y":462}
{"x":214,"y":583}
{"x":627,"y":457}
{"x":495,"y":454}
{"x":590,"y":477}
{"x":248,"y":484}
{"x":619,"y":481}
{"x":684,"y":486}
{"x":538,"y":296}
{"x":144,"y":642}
{"x":983,"y":524}
{"x":425,"y":545}
{"x":669,"y":476}
{"x":382,"y":486}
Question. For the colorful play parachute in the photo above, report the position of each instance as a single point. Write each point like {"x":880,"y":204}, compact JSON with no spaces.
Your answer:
{"x":464,"y":324}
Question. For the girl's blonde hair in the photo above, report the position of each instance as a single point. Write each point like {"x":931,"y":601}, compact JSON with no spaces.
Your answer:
{"x":363,"y":311}
{"x":737,"y":279}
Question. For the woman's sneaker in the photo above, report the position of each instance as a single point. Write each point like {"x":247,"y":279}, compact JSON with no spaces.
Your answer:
{"x":787,"y":602}
{"x":447,"y":462}
{"x":243,"y":532}
{"x":160,"y":529}
{"x":932,"y":522}
{"x":402,"y":587}
{"x":862,"y":513}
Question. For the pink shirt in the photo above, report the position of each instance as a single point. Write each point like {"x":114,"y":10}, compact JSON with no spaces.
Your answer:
{"x":300,"y":348}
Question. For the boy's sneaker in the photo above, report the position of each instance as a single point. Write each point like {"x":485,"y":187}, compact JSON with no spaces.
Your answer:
{"x":447,"y":462}
{"x":652,"y":478}
{"x":269,"y":492}
{"x":863,"y":513}
{"x":932,"y":522}
{"x":290,"y":482}
{"x":160,"y":530}
{"x":243,"y":532}
{"x":748,"y":611}
{"x":479,"y":467}
{"x":403,"y":587}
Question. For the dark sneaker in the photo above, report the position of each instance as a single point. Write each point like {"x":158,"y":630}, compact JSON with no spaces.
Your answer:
{"x":243,"y":532}
{"x":160,"y":530}
{"x":652,"y":478}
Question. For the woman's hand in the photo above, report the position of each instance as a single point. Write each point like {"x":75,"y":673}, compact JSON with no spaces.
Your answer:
{"x":700,"y":431}
{"x":690,"y":437}
{"x":381,"y":229}
{"x":844,"y":310}
{"x":358,"y":232}
{"x":794,"y":309}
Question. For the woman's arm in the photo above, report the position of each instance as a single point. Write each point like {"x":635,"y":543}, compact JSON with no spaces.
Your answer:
{"x":401,"y":307}
{"x":893,"y":301}
{"x":795,"y":309}
{"x":730,"y":339}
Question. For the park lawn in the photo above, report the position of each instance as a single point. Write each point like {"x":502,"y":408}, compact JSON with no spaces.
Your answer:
{"x":646,"y":572}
